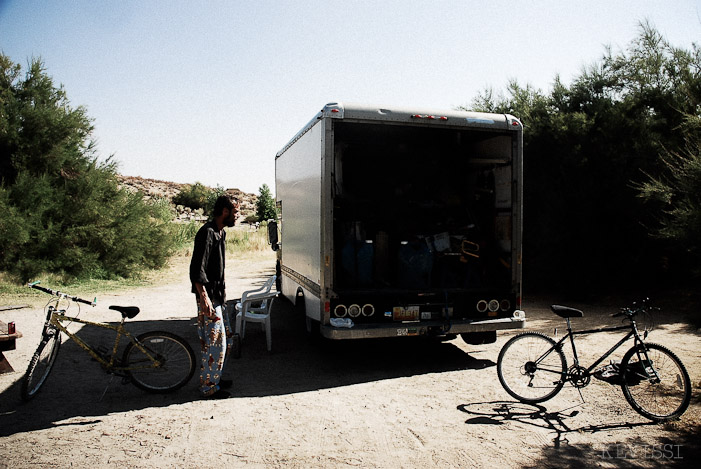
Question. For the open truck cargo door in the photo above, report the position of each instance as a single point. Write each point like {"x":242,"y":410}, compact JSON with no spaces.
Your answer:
{"x":401,"y":222}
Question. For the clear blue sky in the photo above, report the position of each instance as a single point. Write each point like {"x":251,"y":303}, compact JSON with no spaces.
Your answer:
{"x":192,"y":91}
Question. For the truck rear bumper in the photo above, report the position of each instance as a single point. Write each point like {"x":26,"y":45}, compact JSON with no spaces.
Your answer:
{"x":374,"y":331}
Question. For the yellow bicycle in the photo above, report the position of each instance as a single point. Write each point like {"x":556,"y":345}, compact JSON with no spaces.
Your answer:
{"x":156,"y":361}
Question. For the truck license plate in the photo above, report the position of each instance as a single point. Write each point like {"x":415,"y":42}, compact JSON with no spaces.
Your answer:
{"x":410,"y":313}
{"x":407,"y":331}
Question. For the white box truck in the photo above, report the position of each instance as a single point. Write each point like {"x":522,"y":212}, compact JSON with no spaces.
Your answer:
{"x":402,"y":222}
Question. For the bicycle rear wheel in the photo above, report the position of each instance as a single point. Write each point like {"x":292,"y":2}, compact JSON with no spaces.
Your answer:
{"x":174,"y":367}
{"x":41,"y":363}
{"x":531,"y":368}
{"x":656,"y":383}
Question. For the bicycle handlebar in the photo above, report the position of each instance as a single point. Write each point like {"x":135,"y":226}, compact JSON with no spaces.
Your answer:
{"x":36,"y":286}
{"x":633,"y":310}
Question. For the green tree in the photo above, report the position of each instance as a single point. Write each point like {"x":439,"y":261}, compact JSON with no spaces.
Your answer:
{"x":677,"y":193}
{"x":61,"y":208}
{"x":265,"y":205}
{"x":585,"y":146}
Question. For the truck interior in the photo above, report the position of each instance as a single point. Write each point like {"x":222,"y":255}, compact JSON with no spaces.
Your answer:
{"x":422,"y":208}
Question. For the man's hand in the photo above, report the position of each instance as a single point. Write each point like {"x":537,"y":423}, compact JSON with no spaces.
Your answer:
{"x":206,"y":308}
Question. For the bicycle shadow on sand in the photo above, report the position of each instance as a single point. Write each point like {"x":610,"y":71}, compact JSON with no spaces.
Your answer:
{"x":534,"y":415}
{"x":78,"y":387}
{"x":78,"y":392}
{"x":621,"y":452}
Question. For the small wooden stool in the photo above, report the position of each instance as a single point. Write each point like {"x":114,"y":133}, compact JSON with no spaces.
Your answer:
{"x":7,"y":341}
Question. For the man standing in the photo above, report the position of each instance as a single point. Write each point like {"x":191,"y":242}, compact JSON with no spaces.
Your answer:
{"x":207,"y":277}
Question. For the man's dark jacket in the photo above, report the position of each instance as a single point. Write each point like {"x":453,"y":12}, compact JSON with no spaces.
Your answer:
{"x":207,"y":264}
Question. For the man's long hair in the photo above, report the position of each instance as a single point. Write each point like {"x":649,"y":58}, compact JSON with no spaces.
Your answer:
{"x":222,"y":202}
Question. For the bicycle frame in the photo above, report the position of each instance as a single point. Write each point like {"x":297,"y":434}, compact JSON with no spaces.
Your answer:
{"x":56,"y":318}
{"x":633,"y":332}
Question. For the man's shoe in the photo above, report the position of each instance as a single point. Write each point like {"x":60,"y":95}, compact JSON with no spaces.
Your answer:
{"x":220,"y":394}
{"x":226,"y":383}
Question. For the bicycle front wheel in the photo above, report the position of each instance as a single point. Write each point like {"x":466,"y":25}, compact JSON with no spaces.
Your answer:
{"x":173,"y":367}
{"x":41,"y":363}
{"x":656,"y":383}
{"x":531,"y":368}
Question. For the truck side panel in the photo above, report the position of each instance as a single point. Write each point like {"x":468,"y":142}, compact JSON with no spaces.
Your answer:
{"x":298,"y":184}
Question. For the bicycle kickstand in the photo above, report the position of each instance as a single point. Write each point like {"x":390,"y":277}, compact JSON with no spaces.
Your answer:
{"x":106,"y":387}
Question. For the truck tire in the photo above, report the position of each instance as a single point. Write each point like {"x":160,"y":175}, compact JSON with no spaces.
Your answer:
{"x":479,"y":338}
{"x":278,"y":278}
{"x":299,"y":308}
{"x":312,"y":327}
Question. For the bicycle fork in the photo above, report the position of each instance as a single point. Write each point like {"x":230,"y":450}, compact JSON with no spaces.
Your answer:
{"x":648,"y":371}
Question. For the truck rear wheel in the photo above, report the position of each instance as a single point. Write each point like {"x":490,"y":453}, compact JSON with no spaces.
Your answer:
{"x":299,"y":308}
{"x":278,"y":278}
{"x":479,"y":338}
{"x":313,"y":328}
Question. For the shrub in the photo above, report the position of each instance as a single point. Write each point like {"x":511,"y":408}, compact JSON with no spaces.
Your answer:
{"x":194,"y":196}
{"x":61,"y":209}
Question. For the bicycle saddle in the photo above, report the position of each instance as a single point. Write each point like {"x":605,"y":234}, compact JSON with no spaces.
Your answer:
{"x":566,"y":312}
{"x":127,"y":311}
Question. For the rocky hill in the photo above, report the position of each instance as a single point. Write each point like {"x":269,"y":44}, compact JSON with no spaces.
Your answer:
{"x":154,"y":188}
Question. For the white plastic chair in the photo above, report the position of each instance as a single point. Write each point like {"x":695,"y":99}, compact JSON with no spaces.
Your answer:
{"x":255,"y":307}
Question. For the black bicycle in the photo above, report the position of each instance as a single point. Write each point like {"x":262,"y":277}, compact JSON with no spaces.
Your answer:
{"x":532,"y":367}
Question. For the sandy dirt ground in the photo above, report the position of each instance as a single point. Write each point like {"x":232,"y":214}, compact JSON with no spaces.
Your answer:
{"x":401,"y":403}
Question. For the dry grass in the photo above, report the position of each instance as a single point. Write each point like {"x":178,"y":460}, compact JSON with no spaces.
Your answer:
{"x":242,"y":243}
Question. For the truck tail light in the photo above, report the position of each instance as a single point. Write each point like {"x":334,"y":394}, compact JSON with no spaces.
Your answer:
{"x":368,"y":310}
{"x":340,"y":311}
{"x":354,"y":311}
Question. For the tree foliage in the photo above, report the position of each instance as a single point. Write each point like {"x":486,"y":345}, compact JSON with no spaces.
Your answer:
{"x":265,"y":205}
{"x":198,"y":196}
{"x":588,"y":149}
{"x":677,"y":194}
{"x":194,"y":196}
{"x":61,"y":209}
